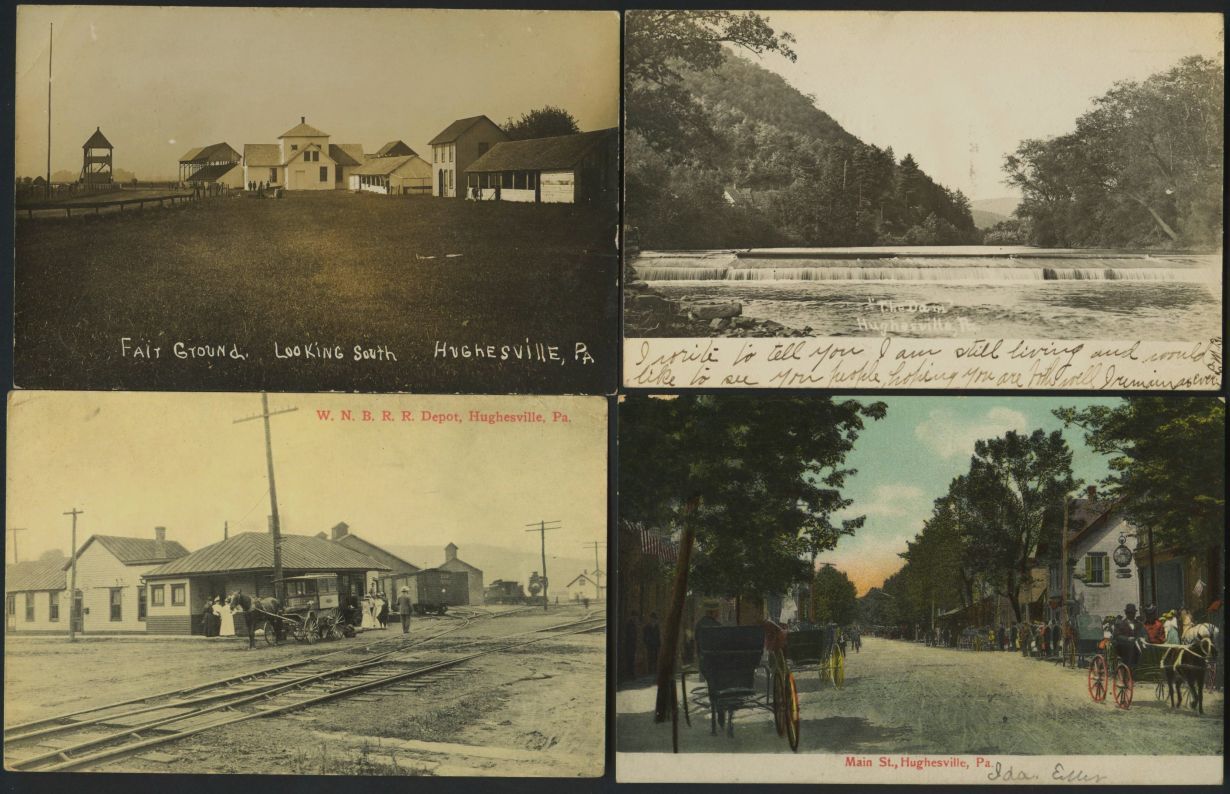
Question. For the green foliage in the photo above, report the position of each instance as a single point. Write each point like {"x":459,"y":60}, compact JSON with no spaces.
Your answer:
{"x":545,"y":122}
{"x":1168,"y":464}
{"x":767,"y":473}
{"x":701,"y":119}
{"x":1144,"y":167}
{"x":834,"y":598}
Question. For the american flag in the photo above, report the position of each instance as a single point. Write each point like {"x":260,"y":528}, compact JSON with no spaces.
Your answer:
{"x":654,"y":544}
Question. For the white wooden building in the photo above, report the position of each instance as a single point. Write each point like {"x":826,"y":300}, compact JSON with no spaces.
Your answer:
{"x":565,"y":169}
{"x":456,"y":147}
{"x":394,"y":176}
{"x":36,"y":597}
{"x":109,"y":580}
{"x":302,"y":159}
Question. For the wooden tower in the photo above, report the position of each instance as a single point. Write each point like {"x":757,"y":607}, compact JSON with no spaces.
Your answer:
{"x":95,"y":165}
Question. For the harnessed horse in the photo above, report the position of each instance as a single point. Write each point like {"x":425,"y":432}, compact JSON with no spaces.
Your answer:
{"x":270,"y":607}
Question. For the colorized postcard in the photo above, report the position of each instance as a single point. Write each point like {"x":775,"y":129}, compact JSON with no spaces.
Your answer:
{"x":377,"y":200}
{"x":941,"y":590}
{"x":923,"y":200}
{"x":305,"y":584}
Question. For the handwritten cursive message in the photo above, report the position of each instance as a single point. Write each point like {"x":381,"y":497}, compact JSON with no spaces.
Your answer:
{"x":900,"y":363}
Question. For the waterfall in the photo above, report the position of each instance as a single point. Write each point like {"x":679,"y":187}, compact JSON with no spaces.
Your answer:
{"x":934,"y":273}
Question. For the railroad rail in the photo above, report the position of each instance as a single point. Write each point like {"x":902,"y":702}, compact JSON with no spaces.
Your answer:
{"x":258,"y":691}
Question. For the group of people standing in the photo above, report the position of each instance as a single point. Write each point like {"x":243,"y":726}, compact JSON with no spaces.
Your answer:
{"x":374,"y":611}
{"x":218,"y":617}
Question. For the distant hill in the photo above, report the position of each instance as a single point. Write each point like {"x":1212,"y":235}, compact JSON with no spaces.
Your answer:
{"x":500,"y":562}
{"x":1003,"y":206}
{"x":985,"y":220}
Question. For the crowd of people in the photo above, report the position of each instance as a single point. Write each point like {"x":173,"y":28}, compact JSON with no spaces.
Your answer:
{"x":220,"y":615}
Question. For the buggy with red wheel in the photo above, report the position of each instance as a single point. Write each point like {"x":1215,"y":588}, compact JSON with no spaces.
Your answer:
{"x":728,"y":660}
{"x":1120,"y":666}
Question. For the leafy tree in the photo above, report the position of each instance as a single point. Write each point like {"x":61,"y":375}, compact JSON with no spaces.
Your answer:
{"x":753,"y":483}
{"x":544,"y":122}
{"x":1168,"y":464}
{"x":834,"y":597}
{"x":1143,"y":166}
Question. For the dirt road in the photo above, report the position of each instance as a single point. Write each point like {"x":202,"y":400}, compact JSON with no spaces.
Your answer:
{"x":905,"y":697}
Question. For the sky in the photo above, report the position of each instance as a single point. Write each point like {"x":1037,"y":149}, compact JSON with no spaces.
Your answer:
{"x":959,"y":90}
{"x":160,"y":81}
{"x":134,"y":461}
{"x":906,"y":461}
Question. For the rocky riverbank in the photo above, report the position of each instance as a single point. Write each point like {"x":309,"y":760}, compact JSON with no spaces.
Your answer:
{"x":647,"y":313}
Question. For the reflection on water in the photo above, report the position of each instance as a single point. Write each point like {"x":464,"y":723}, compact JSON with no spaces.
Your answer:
{"x":1039,"y":309}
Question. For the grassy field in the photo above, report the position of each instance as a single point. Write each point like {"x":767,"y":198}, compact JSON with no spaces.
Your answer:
{"x":327,"y":269}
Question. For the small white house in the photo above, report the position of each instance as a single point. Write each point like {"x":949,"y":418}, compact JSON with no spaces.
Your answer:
{"x":303,"y":159}
{"x":584,"y":585}
{"x":1098,"y":585}
{"x":393,"y":176}
{"x":35,"y":597}
{"x":564,"y":169}
{"x":109,"y":580}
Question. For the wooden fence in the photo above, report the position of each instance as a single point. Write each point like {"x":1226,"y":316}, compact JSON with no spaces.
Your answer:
{"x":84,"y":207}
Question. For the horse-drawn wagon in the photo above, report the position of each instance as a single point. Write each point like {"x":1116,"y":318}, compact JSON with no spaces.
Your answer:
{"x":820,"y":647}
{"x":1123,"y":663}
{"x":313,"y":611}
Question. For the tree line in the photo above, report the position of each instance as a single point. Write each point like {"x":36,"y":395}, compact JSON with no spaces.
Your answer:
{"x":720,"y":152}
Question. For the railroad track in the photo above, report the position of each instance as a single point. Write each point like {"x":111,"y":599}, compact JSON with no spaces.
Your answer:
{"x":136,"y":725}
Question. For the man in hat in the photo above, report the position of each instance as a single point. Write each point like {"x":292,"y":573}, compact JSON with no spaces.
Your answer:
{"x":1155,"y":632}
{"x":404,"y":608}
{"x":1127,"y":631}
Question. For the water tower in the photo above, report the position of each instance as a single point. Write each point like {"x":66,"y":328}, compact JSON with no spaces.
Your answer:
{"x":95,"y":165}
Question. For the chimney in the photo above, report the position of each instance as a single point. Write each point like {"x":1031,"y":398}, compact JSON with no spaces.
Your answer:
{"x":450,"y":552}
{"x":340,"y":531}
{"x":1092,"y":493}
{"x":160,"y":533}
{"x":303,"y":119}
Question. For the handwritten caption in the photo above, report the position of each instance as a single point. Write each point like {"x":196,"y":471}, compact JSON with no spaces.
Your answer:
{"x":992,"y":770}
{"x":899,"y":363}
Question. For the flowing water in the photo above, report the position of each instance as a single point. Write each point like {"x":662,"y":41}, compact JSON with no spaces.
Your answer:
{"x":1077,"y":296}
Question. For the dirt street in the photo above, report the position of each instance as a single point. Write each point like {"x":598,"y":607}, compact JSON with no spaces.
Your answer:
{"x":907,"y":698}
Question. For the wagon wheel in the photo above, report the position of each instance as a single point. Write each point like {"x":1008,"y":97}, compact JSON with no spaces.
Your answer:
{"x":779,"y":703}
{"x":336,"y":632}
{"x":311,"y":629}
{"x":791,"y":696}
{"x":270,"y":632}
{"x":1122,"y":686}
{"x":839,"y":670}
{"x":1097,"y":679}
{"x":683,"y":691}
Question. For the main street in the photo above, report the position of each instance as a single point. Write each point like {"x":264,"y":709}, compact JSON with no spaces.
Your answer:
{"x":904,"y":697}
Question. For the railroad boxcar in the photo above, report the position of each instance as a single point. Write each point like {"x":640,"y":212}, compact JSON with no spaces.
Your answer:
{"x":504,"y":592}
{"x":433,"y":591}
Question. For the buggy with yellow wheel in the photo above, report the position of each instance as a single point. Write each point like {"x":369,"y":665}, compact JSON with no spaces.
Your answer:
{"x":820,"y":647}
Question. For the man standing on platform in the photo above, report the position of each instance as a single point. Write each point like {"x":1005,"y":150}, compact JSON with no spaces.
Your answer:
{"x":404,"y":607}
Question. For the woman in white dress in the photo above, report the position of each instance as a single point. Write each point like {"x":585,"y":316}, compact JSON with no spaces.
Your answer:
{"x":227,"y":628}
{"x":369,"y":616}
{"x":217,"y":607}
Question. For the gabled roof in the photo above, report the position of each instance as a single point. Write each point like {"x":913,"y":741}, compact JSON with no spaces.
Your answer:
{"x":370,"y":549}
{"x":541,"y":154}
{"x":97,"y":141}
{"x":458,"y":128}
{"x":34,"y":575}
{"x":347,"y":153}
{"x":303,"y":130}
{"x":262,"y":154}
{"x":444,"y":565}
{"x":191,"y":154}
{"x":211,"y":153}
{"x":211,"y":173}
{"x":134,"y":551}
{"x":581,"y":577}
{"x":253,"y":551}
{"x":378,"y":166}
{"x":311,"y":147}
{"x":395,"y":149}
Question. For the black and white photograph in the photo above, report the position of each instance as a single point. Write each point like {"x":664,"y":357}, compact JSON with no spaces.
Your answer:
{"x":928,"y":181}
{"x":345,"y":199}
{"x":301,"y":584}
{"x":921,"y":589}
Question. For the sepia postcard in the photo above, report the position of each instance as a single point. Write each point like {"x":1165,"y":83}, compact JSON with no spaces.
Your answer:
{"x":923,"y":200}
{"x":921,"y":590}
{"x":304,"y":584}
{"x":378,"y":200}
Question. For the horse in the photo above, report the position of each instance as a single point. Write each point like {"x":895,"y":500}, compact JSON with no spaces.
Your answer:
{"x":270,"y":607}
{"x":1190,"y":663}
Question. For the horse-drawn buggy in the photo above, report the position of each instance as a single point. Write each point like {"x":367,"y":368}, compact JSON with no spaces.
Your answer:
{"x":822,"y":647}
{"x":312,"y":612}
{"x":1122,"y":663}
{"x":728,"y":660}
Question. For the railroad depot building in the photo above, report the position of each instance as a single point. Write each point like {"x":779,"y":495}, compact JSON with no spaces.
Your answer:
{"x":395,"y":566}
{"x":456,"y":147}
{"x":109,"y":580}
{"x":178,"y":590}
{"x":564,"y":169}
{"x":36,"y":597}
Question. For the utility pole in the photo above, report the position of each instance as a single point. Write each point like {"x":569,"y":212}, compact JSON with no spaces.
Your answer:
{"x":542,"y":529}
{"x":72,"y":583}
{"x":597,"y":568}
{"x":50,"y":42}
{"x":1063,"y":570}
{"x":226,"y":529}
{"x":274,"y":523}
{"x":15,"y":530}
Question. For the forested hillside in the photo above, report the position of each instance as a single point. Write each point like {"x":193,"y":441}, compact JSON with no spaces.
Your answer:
{"x":723,"y":153}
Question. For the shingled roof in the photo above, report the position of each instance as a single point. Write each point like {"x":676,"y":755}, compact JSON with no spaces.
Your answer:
{"x":303,"y":130}
{"x":455,"y":130}
{"x":346,"y":153}
{"x":211,"y":173}
{"x":378,"y":166}
{"x":34,"y":575}
{"x":253,"y":551}
{"x":135,"y":551}
{"x":212,"y":152}
{"x":541,"y":154}
{"x":395,"y":149}
{"x":262,"y":154}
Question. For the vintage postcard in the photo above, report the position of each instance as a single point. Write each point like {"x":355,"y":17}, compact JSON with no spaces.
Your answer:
{"x":906,"y":200}
{"x":305,"y":584}
{"x":941,"y":590}
{"x":378,"y":200}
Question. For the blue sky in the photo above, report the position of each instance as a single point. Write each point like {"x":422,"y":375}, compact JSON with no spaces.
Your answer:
{"x":906,"y":460}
